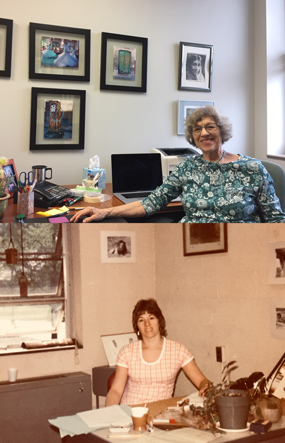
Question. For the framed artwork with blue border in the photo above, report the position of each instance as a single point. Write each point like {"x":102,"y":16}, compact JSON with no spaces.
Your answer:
{"x":185,"y":108}
{"x":6,"y":33}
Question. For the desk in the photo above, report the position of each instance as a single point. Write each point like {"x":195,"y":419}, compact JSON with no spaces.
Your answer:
{"x":11,"y":211}
{"x":275,"y":435}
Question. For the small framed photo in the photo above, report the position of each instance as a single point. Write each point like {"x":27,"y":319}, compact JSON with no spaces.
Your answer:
{"x":6,"y":32}
{"x":59,"y":53}
{"x":278,"y":318}
{"x":123,"y":63}
{"x":186,"y":108}
{"x":57,"y":119}
{"x":195,"y":67}
{"x":118,"y":247}
{"x":208,"y":238}
{"x":277,"y":263}
{"x":10,"y":170}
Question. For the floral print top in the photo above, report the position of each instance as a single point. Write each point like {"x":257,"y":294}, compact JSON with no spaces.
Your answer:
{"x":238,"y":192}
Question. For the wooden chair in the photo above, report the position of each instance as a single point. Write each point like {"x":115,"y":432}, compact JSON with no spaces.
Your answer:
{"x":110,"y":381}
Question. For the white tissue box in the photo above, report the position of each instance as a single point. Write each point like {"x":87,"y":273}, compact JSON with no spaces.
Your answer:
{"x":102,"y":179}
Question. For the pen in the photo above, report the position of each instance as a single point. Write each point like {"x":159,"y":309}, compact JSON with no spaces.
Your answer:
{"x":75,"y":208}
{"x":157,"y":420}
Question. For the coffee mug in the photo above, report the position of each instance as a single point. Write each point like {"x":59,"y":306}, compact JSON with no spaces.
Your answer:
{"x":40,"y":172}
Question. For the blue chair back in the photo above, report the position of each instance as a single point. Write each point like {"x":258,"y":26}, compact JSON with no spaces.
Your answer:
{"x":278,"y":175}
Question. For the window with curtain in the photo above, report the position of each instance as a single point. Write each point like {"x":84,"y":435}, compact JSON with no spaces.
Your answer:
{"x":34,"y":298}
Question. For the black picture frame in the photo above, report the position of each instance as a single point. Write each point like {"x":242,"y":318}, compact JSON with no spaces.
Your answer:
{"x":201,"y":55}
{"x":37,"y":31}
{"x":136,"y":47}
{"x":199,"y":238}
{"x":6,"y":28}
{"x":41,"y":138}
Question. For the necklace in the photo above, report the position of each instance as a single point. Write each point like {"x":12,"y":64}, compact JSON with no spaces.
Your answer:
{"x":221,"y":157}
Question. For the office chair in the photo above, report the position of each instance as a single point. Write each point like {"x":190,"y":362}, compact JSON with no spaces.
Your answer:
{"x":278,"y":175}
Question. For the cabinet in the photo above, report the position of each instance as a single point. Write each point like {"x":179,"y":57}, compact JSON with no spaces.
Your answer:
{"x":28,"y":404}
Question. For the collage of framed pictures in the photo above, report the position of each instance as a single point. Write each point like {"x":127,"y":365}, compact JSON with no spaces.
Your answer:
{"x":59,"y":53}
{"x":6,"y":32}
{"x":123,"y":63}
{"x":195,"y":67}
{"x":57,"y":119}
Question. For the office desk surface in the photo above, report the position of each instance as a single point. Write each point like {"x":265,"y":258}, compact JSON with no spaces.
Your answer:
{"x":11,"y":211}
{"x":275,"y":435}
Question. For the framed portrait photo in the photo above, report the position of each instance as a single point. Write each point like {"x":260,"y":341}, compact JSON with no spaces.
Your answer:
{"x":195,"y":67}
{"x":204,"y":238}
{"x":123,"y":63}
{"x":10,"y":170}
{"x":185,"y":108}
{"x":118,"y":247}
{"x":277,"y":263}
{"x":6,"y":32}
{"x":57,"y":119}
{"x":59,"y":53}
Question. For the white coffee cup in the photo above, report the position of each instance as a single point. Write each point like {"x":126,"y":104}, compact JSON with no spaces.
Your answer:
{"x":12,"y":373}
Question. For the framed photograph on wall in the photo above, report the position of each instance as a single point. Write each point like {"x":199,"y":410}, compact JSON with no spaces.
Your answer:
{"x":278,"y":318}
{"x":195,"y":67}
{"x":185,"y":108}
{"x":208,"y":238}
{"x":123,"y":63}
{"x":6,"y":32}
{"x":59,"y":53}
{"x":118,"y":247}
{"x":10,"y":170}
{"x":57,"y":119}
{"x":277,"y":263}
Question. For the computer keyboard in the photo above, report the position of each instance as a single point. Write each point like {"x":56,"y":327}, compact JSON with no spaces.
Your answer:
{"x":136,"y":195}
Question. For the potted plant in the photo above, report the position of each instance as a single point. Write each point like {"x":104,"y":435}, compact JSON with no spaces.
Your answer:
{"x":4,"y":183}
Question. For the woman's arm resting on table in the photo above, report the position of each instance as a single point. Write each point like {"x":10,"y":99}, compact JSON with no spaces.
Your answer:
{"x":193,"y":372}
{"x":135,"y":209}
{"x":115,"y":394}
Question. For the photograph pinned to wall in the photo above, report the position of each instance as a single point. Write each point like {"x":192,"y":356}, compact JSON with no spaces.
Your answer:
{"x":6,"y":33}
{"x":118,"y":247}
{"x":59,"y":53}
{"x":185,"y":108}
{"x":57,"y":119}
{"x":278,"y":318}
{"x":199,"y":238}
{"x":277,"y":263}
{"x":195,"y":67}
{"x":124,"y":66}
{"x":123,"y":63}
{"x":10,"y":170}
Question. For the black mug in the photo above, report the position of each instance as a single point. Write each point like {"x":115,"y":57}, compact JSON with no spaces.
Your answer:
{"x":40,"y":172}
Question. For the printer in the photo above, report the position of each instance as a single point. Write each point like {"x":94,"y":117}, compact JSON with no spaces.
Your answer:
{"x":171,"y":157}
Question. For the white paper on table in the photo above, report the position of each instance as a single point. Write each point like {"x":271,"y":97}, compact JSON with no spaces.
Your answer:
{"x":103,"y":417}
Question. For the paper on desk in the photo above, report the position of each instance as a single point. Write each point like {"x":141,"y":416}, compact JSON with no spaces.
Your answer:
{"x":52,"y":212}
{"x":70,"y":425}
{"x":103,"y":417}
{"x":178,"y":436}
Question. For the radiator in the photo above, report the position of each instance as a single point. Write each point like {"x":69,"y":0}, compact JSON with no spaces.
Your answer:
{"x":28,"y":404}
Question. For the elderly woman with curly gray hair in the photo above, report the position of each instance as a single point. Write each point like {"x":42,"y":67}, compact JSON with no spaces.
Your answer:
{"x":215,"y":187}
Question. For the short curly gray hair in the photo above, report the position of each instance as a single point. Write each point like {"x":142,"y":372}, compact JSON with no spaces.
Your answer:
{"x":207,"y":111}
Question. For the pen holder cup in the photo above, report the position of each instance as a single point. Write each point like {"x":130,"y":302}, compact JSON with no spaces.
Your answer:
{"x":25,"y":203}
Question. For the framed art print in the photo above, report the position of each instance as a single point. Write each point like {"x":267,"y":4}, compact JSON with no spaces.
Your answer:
{"x":118,"y":247}
{"x":6,"y":32}
{"x":123,"y":63}
{"x":185,"y":108}
{"x":59,"y":53}
{"x":277,"y":263}
{"x":57,"y":119}
{"x":10,"y":169}
{"x":208,"y":238}
{"x":195,"y":67}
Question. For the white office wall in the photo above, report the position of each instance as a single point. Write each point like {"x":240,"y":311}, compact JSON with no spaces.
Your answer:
{"x":129,"y":122}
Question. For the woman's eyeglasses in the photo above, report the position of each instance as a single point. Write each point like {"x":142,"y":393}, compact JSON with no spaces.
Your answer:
{"x":211,"y":128}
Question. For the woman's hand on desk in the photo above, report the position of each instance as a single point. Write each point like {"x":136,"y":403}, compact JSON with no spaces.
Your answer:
{"x":94,"y":215}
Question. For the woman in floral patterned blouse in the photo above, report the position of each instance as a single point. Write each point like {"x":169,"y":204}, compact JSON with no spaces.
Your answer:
{"x":215,"y":187}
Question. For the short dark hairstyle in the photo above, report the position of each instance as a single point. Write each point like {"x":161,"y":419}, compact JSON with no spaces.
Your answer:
{"x":150,"y":305}
{"x":207,"y":111}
